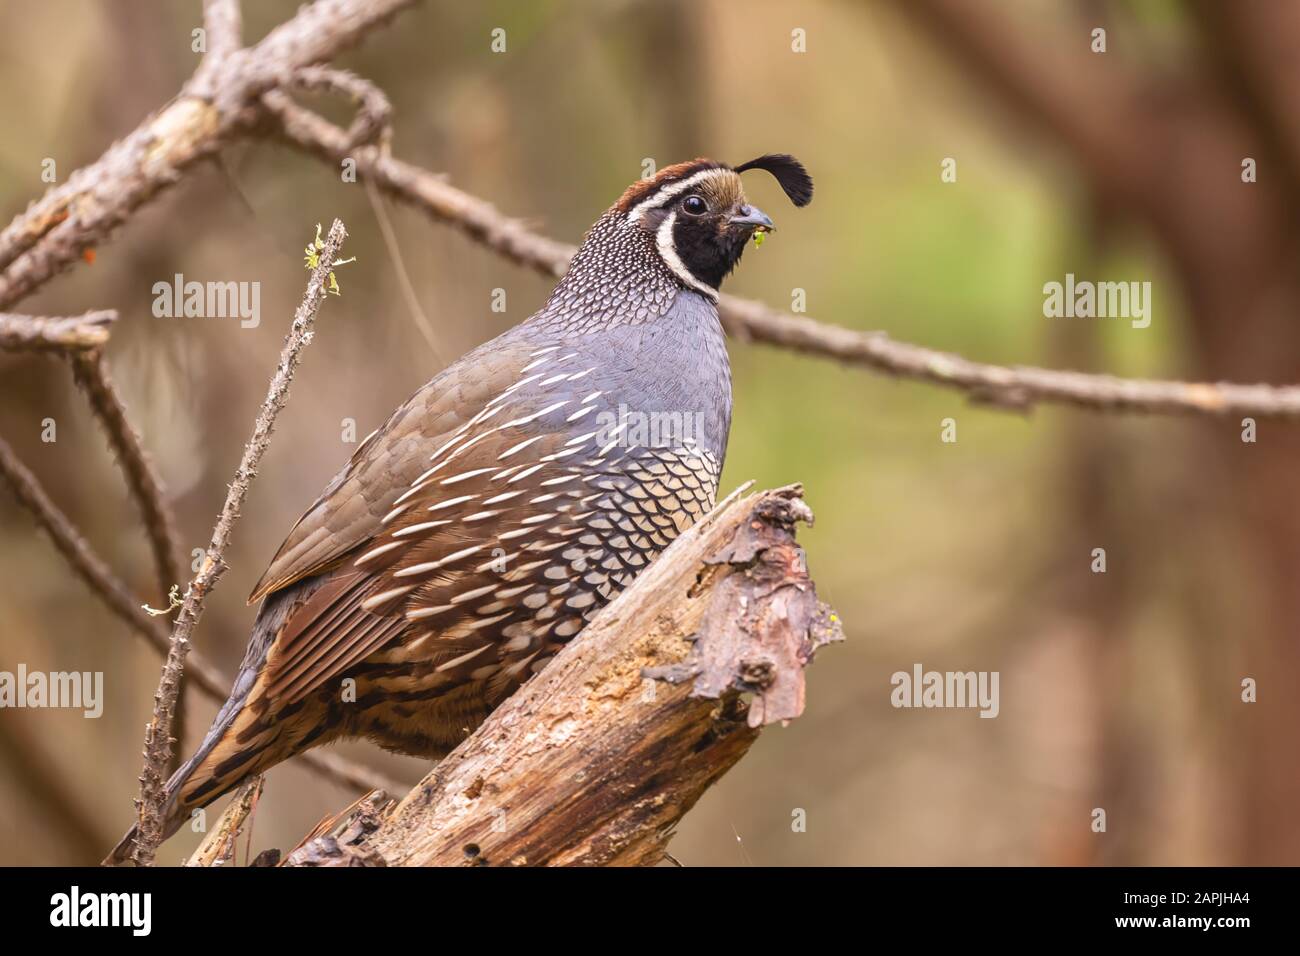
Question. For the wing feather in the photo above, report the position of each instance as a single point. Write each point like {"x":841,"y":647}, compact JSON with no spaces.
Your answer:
{"x":351,"y":509}
{"x":363,"y":604}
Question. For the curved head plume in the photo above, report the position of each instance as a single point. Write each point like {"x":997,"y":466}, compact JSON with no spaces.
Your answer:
{"x":788,"y":171}
{"x":699,"y":217}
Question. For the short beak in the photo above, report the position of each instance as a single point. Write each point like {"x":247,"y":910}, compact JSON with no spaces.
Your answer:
{"x":753,"y":217}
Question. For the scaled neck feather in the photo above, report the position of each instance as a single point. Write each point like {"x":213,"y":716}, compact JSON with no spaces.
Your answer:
{"x":617,"y":277}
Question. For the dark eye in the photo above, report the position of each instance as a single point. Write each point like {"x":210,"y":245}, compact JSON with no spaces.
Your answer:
{"x":695,"y":205}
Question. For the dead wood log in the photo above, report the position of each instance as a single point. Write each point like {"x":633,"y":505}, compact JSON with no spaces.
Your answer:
{"x":597,"y":758}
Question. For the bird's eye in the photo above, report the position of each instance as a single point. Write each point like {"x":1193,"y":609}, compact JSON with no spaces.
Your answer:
{"x":695,"y":205}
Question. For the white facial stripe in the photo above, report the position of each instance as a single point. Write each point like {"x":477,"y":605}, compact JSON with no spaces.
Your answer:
{"x":668,"y":251}
{"x":668,"y":192}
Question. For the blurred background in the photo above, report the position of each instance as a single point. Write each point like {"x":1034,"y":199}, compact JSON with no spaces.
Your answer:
{"x":1119,"y":690}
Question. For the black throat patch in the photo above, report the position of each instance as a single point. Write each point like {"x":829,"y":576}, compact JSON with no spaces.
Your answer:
{"x":708,"y":247}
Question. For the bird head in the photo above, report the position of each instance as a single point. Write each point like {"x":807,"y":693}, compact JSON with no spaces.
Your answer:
{"x":699,"y":218}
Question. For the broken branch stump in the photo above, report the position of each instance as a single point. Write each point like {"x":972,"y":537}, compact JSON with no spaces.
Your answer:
{"x":596,"y":759}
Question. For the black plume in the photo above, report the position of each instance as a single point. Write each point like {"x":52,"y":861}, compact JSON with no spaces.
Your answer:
{"x":789,"y":172}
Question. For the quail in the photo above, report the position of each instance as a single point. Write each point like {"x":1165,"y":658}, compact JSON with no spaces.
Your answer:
{"x":506,"y":502}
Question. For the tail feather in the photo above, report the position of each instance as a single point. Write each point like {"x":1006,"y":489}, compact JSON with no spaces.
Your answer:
{"x":200,"y":780}
{"x":175,"y":809}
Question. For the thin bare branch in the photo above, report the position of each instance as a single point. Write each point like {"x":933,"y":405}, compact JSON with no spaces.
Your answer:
{"x":52,"y":233}
{"x":35,"y":333}
{"x":372,"y":125}
{"x":214,"y":108}
{"x":218,"y":847}
{"x":223,"y":21}
{"x":1014,"y":387}
{"x":146,"y":487}
{"x":104,"y":584}
{"x":395,"y":256}
{"x":158,"y":742}
{"x":287,"y":58}
{"x":1017,"y":387}
{"x":427,"y":191}
{"x":93,"y":571}
{"x":373,"y":122}
{"x":143,"y":482}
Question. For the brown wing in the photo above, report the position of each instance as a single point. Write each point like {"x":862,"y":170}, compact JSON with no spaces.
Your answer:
{"x":411,"y":572}
{"x":525,"y":521}
{"x":350,"y":509}
{"x":345,"y":619}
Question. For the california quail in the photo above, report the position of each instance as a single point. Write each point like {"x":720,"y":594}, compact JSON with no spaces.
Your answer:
{"x":505,"y":502}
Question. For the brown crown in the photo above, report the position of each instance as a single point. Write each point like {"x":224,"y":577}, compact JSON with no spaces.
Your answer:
{"x":643,"y":188}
